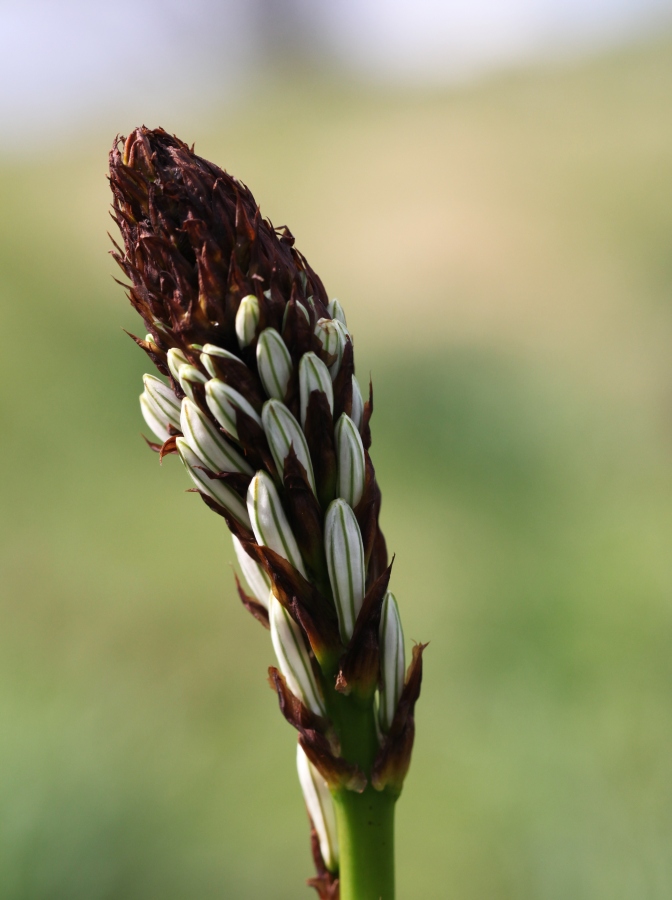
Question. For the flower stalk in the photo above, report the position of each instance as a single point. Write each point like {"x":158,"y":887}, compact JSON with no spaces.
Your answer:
{"x":258,"y":397}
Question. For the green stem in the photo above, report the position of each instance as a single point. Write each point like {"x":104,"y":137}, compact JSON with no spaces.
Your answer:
{"x":366,"y":844}
{"x":365,"y":821}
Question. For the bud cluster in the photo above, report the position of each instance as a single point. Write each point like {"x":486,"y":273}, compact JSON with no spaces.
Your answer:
{"x":261,"y":403}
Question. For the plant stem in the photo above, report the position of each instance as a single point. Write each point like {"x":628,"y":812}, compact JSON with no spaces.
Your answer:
{"x":366,"y":843}
{"x":365,"y":821}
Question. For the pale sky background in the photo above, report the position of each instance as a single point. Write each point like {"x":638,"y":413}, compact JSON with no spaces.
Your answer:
{"x":64,"y":63}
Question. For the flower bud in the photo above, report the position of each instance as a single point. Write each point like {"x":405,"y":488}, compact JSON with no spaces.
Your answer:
{"x":332,"y":334}
{"x":351,"y":467}
{"x":218,"y":490}
{"x":336,"y":311}
{"x":164,"y":399}
{"x":273,"y":363}
{"x":282,"y":432}
{"x":176,"y":358}
{"x":154,"y":418}
{"x":293,"y":657}
{"x":223,"y":402}
{"x":256,"y":578}
{"x":210,"y":350}
{"x":392,"y":661}
{"x":345,"y":561}
{"x":357,"y":411}
{"x":313,"y":376}
{"x":247,"y":320}
{"x":207,"y":442}
{"x":189,"y":375}
{"x":320,"y":805}
{"x":269,"y":522}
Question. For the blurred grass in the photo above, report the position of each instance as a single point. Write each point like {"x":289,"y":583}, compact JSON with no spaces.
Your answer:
{"x":503,"y":254}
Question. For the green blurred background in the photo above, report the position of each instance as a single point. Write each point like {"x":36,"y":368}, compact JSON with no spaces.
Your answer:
{"x":502,"y":250}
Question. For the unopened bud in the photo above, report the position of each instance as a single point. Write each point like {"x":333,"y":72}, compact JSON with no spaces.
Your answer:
{"x":332,"y":334}
{"x":213,"y":487}
{"x":313,"y":376}
{"x":224,"y":402}
{"x":247,"y":320}
{"x":345,"y":561}
{"x":320,"y":806}
{"x":164,"y":399}
{"x":208,"y":443}
{"x":176,"y":358}
{"x":351,"y":466}
{"x":293,"y":657}
{"x":273,"y":363}
{"x":392,"y":660}
{"x":256,"y":578}
{"x":188,"y":376}
{"x":336,"y":311}
{"x":357,"y":411}
{"x":210,"y":350}
{"x":155,"y":420}
{"x":269,"y":522}
{"x":282,"y":433}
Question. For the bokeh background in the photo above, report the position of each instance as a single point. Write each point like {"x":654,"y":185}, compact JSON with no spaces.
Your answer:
{"x":487,"y":188}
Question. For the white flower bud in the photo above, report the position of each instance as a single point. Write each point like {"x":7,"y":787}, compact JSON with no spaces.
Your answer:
{"x":392,"y":660}
{"x":345,"y":561}
{"x":320,"y":805}
{"x":336,"y":311}
{"x":351,"y":466}
{"x":332,"y":334}
{"x":282,"y":432}
{"x":208,"y":443}
{"x":269,"y":522}
{"x":247,"y":320}
{"x":154,"y":418}
{"x":223,"y":402}
{"x":256,"y":578}
{"x":210,"y":350}
{"x":293,"y":657}
{"x":357,"y":411}
{"x":176,"y":358}
{"x":218,"y":490}
{"x":164,"y":399}
{"x":188,"y":376}
{"x":313,"y":376}
{"x":273,"y":363}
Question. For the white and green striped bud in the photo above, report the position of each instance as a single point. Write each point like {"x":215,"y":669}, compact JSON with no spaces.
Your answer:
{"x":282,"y":433}
{"x":313,"y":376}
{"x":345,"y":561}
{"x":293,"y":657}
{"x":357,"y":411}
{"x":257,"y":579}
{"x":392,"y":661}
{"x":188,"y":376}
{"x":269,"y":522}
{"x":351,"y":466}
{"x":208,"y":443}
{"x":210,"y":350}
{"x":164,"y":399}
{"x":247,"y":320}
{"x":154,"y":418}
{"x":224,"y":402}
{"x":333,"y":335}
{"x":175,"y":359}
{"x":336,"y":311}
{"x":320,"y":806}
{"x":273,"y":363}
{"x":214,"y":488}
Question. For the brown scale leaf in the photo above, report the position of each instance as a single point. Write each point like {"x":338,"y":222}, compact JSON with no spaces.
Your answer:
{"x":319,"y":432}
{"x":343,"y":383}
{"x":394,"y":757}
{"x":360,"y":667}
{"x":252,"y":605}
{"x":325,"y":883}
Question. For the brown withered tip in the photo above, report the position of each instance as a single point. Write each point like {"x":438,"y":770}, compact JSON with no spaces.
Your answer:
{"x":195,"y":243}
